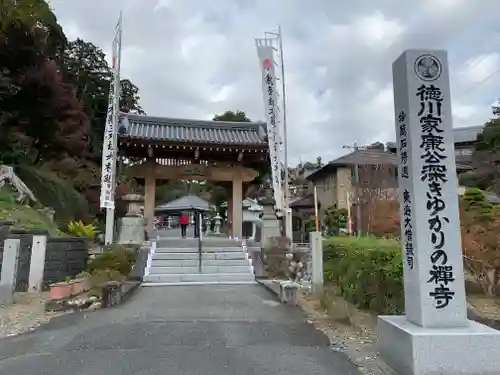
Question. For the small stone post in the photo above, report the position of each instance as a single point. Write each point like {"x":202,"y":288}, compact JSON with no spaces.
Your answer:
{"x":9,"y":270}
{"x":37,"y":263}
{"x":317,"y":262}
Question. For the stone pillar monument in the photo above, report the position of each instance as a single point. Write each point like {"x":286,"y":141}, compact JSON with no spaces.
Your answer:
{"x":133,"y":225}
{"x":435,"y":336}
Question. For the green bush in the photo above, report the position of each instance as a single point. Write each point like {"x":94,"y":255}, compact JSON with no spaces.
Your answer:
{"x":119,"y":259}
{"x":474,"y":195}
{"x":475,"y":199}
{"x":367,"y":271}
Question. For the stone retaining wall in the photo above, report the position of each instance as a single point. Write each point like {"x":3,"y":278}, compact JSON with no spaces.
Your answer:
{"x":65,"y":256}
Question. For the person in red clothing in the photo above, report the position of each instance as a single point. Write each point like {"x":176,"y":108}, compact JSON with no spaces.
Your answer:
{"x":184,"y":221}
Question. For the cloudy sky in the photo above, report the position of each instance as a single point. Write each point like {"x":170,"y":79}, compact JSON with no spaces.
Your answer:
{"x":194,"y":58}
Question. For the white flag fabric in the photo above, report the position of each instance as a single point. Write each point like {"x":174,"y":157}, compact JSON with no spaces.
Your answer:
{"x":270,"y":93}
{"x":109,"y":144}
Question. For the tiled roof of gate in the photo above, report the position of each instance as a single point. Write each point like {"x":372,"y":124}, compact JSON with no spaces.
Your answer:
{"x":192,"y":131}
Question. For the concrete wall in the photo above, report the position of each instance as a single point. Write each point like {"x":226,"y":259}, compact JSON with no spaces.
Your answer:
{"x":326,"y":188}
{"x":343,"y":187}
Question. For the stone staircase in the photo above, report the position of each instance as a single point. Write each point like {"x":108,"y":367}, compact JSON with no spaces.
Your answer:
{"x":175,"y":261}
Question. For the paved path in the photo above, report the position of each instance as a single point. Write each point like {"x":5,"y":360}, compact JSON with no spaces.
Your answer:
{"x":202,"y":330}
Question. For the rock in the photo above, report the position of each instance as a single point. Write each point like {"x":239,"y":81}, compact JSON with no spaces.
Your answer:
{"x":94,"y":306}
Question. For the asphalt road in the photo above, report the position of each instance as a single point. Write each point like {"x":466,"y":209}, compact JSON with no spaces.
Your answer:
{"x":195,"y":330}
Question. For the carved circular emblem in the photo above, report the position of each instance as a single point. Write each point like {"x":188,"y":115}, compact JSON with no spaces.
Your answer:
{"x":428,"y":67}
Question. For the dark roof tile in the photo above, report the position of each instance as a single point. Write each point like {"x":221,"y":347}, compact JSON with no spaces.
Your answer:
{"x":192,"y":131}
{"x":366,"y":156}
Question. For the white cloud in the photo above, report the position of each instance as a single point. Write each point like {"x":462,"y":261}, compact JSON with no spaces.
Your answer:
{"x":194,"y":58}
{"x":481,"y":67}
{"x":377,"y":31}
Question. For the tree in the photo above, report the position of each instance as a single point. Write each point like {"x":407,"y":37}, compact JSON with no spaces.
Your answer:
{"x":377,"y":191}
{"x":129,"y":98}
{"x":85,"y":66}
{"x":33,"y":16}
{"x":263,"y":168}
{"x":35,"y":101}
{"x":335,"y":220}
{"x":238,"y":116}
{"x":319,"y":162}
{"x":52,"y":116}
{"x":486,"y":155}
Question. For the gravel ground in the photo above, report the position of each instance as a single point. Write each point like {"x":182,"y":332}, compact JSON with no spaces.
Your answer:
{"x":353,"y":331}
{"x":350,"y":331}
{"x":25,"y":314}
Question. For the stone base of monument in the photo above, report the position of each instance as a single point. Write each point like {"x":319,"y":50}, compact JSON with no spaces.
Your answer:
{"x":131,"y":230}
{"x":413,"y":350}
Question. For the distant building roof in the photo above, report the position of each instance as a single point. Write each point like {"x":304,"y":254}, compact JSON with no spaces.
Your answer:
{"x":305,"y":202}
{"x":365,"y":157}
{"x":467,"y":134}
{"x":192,"y":131}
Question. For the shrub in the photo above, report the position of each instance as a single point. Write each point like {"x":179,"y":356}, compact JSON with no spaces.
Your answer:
{"x":275,"y":262}
{"x":368,"y":272}
{"x":480,"y":222}
{"x":118,"y":259}
{"x":79,"y":229}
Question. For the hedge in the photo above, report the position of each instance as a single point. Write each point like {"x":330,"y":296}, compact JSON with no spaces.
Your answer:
{"x":367,"y":272}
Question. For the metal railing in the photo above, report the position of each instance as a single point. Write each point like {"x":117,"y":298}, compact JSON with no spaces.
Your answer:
{"x":200,"y":241}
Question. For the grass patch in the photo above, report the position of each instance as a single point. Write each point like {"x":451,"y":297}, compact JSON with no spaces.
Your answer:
{"x":24,"y":216}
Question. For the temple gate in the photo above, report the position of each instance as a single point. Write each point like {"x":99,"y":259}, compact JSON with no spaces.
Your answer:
{"x":160,"y":148}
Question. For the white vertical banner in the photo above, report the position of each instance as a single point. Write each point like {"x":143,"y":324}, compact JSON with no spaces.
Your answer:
{"x":270,"y":93}
{"x":109,"y":144}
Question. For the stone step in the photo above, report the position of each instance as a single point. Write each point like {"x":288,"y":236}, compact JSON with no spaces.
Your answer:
{"x":194,"y":243}
{"x":194,"y":256}
{"x":194,"y":269}
{"x":194,"y":262}
{"x":200,"y":278}
{"x":195,"y":249}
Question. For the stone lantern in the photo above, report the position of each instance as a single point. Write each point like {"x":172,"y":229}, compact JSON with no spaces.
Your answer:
{"x":132,"y":225}
{"x":218,"y":222}
{"x":207,"y":223}
{"x":270,"y":222}
{"x":135,"y":205}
